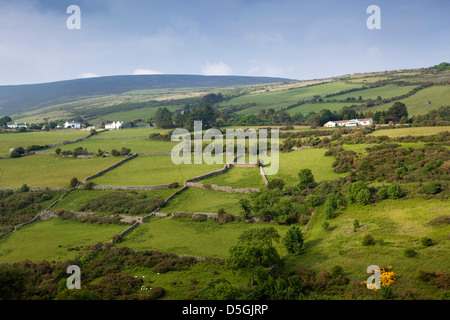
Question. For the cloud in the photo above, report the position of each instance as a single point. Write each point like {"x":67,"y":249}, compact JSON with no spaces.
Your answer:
{"x":262,"y":68}
{"x":145,"y":71}
{"x":88,"y":75}
{"x":219,"y":69}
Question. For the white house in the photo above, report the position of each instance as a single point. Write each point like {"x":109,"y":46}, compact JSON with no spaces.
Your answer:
{"x":72,"y":124}
{"x":16,"y":125}
{"x":114,"y":125}
{"x":349,"y":123}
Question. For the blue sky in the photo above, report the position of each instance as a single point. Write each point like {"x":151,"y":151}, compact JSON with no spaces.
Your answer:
{"x":285,"y":38}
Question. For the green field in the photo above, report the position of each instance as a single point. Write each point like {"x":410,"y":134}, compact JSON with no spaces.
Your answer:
{"x":399,"y":223}
{"x":128,"y":133}
{"x":292,"y":95}
{"x":384,"y":92}
{"x":314,"y":159}
{"x":154,"y":170}
{"x":317,"y":107}
{"x":198,"y":239}
{"x":411,"y":131}
{"x":25,"y":139}
{"x":238,"y":177}
{"x":75,"y":199}
{"x":436,"y":95}
{"x":135,"y":145}
{"x":209,"y":201}
{"x":49,"y":170}
{"x":50,"y":240}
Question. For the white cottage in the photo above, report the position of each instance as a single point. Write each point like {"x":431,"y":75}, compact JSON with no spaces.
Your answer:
{"x":114,"y":125}
{"x":72,"y":125}
{"x":349,"y":123}
{"x":16,"y":125}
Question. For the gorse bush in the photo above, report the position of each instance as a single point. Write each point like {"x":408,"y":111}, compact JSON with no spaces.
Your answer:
{"x":122,"y":202}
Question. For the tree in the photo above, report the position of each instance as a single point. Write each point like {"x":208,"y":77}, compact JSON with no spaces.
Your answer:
{"x":163,"y":118}
{"x":255,"y":249}
{"x":276,"y":183}
{"x":74,"y":182}
{"x":397,"y":111}
{"x":293,"y":240}
{"x":358,"y":192}
{"x":4,"y":121}
{"x":306,"y":179}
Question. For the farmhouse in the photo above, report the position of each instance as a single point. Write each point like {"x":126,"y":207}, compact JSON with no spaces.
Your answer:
{"x":72,"y":124}
{"x":114,"y":125}
{"x":17,"y":125}
{"x":349,"y":123}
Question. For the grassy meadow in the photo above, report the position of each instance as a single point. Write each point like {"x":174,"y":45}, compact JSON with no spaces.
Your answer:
{"x":25,"y":139}
{"x":314,"y":159}
{"x":138,"y":145}
{"x":210,"y":201}
{"x":411,"y":131}
{"x":53,"y":239}
{"x":396,"y":225}
{"x":238,"y":177}
{"x":154,"y":170}
{"x":49,"y":170}
{"x":184,"y":237}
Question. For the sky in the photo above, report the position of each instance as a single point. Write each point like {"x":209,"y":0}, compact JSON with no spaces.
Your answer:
{"x":292,"y":39}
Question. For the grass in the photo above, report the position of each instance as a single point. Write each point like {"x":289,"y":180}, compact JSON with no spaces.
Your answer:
{"x":49,"y":170}
{"x":183,"y":237}
{"x":128,"y":133}
{"x":317,"y":107}
{"x":135,"y":145}
{"x":75,"y":199}
{"x":238,"y":177}
{"x":314,"y":159}
{"x":399,"y":223}
{"x":411,"y":131}
{"x":388,"y":91}
{"x":437,"y":95}
{"x":50,"y":240}
{"x":177,"y":284}
{"x":190,"y":201}
{"x":154,"y":170}
{"x":25,"y":139}
{"x":292,"y":95}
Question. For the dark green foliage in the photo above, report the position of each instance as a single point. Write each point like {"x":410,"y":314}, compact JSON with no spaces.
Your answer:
{"x":431,"y":187}
{"x":20,"y":207}
{"x":74,"y":182}
{"x":426,"y":241}
{"x":122,"y":202}
{"x":255,"y":249}
{"x":24,"y":188}
{"x":394,"y":191}
{"x":355,"y":225}
{"x":368,"y":240}
{"x":219,"y":289}
{"x":397,"y":111}
{"x":306,"y":179}
{"x":276,"y":183}
{"x":358,"y":192}
{"x":293,"y":240}
{"x":410,"y":253}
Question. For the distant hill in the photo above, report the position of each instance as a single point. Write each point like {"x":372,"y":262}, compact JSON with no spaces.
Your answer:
{"x":17,"y":98}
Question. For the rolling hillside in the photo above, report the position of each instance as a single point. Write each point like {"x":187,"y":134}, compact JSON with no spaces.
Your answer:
{"x":31,"y":96}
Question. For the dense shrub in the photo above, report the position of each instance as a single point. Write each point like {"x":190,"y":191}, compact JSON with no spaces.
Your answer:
{"x":358,"y":192}
{"x":394,"y":191}
{"x":368,"y":240}
{"x":410,"y":253}
{"x":431,"y":187}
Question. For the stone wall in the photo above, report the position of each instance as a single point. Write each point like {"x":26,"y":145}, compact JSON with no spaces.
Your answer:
{"x":98,"y":174}
{"x":263,"y":175}
{"x":220,"y":188}
{"x":104,"y":187}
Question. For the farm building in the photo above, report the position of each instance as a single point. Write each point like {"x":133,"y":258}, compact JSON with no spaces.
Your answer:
{"x":17,"y":125}
{"x":349,"y":123}
{"x":114,"y":125}
{"x":72,"y":124}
